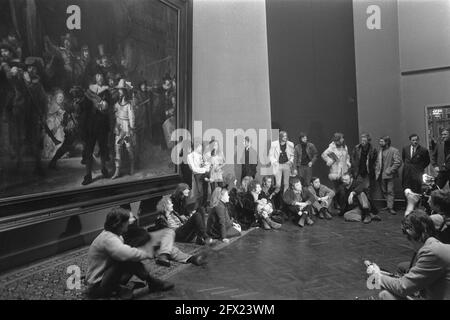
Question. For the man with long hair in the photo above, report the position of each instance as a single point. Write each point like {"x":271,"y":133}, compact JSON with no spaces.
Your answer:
{"x":111,"y":263}
{"x":386,"y":170}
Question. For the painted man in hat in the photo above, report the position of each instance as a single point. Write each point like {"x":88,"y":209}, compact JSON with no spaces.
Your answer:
{"x":125,"y":126}
{"x":98,"y":94}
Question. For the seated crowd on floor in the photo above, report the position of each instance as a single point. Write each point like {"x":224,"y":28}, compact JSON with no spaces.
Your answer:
{"x":192,"y":214}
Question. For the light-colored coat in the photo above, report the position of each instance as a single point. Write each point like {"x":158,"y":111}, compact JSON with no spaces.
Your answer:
{"x":274,"y":154}
{"x":338,"y":160}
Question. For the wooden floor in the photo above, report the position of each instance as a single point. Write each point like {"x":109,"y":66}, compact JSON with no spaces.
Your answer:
{"x":323,"y":261}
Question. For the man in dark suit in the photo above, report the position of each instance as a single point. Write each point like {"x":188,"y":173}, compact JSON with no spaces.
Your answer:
{"x":249,"y":161}
{"x":440,"y":159}
{"x":416,"y":158}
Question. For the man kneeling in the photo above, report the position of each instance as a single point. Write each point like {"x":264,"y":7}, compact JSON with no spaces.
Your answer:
{"x":353,"y":201}
{"x":111,"y":263}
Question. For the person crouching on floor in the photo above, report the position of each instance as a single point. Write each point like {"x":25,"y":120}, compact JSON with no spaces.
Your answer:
{"x":160,"y":243}
{"x":323,"y":197}
{"x":187,"y":228}
{"x":220,"y":226}
{"x":111,"y":263}
{"x":353,"y":200}
{"x":298,"y":201}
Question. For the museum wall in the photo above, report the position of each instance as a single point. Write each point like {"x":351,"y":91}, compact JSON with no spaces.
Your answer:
{"x":312,"y":71}
{"x":424,"y":59}
{"x":230,"y":76}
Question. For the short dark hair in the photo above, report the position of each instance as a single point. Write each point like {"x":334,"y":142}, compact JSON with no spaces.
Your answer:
{"x":314,"y":179}
{"x":252,"y":185}
{"x":441,"y":198}
{"x":247,"y":138}
{"x":413,"y":135}
{"x":386,"y":139}
{"x":418,"y":226}
{"x":302,"y":135}
{"x":115,"y":219}
{"x":293,"y":181}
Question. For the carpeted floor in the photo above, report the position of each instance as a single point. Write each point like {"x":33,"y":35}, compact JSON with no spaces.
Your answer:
{"x":47,"y":279}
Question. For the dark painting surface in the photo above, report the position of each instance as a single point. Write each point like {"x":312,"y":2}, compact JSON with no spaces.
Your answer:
{"x":88,"y":93}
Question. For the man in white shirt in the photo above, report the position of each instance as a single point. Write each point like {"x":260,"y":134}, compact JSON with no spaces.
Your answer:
{"x":199,"y":172}
{"x":111,"y":263}
{"x":281,"y":156}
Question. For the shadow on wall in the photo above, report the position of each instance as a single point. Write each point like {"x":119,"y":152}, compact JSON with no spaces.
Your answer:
{"x":70,"y":238}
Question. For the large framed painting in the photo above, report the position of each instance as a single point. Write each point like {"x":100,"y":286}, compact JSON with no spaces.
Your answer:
{"x":90,"y":92}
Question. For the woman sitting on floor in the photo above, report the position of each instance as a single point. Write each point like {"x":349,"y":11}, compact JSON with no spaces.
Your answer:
{"x":220,"y":225}
{"x":179,"y":198}
{"x":111,"y":263}
{"x":187,"y":228}
{"x":163,"y":240}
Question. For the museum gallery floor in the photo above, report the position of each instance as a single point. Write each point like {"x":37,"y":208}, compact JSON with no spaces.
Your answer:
{"x":324,"y":261}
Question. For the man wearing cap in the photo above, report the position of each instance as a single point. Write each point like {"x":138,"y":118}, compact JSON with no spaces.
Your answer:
{"x":125,"y":127}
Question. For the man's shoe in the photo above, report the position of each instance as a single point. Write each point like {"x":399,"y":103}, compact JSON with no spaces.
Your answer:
{"x":87,"y":180}
{"x":273,"y":224}
{"x":105,"y":173}
{"x":155,"y":285}
{"x":375,"y":217}
{"x":309,"y":221}
{"x":198,"y":259}
{"x":163,"y":260}
{"x":321,"y":216}
{"x":301,"y":222}
{"x":264,"y":225}
{"x":367,"y":219}
{"x":393,"y":212}
{"x":328,"y":216}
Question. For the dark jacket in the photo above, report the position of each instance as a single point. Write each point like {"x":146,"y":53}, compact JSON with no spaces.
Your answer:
{"x":414,"y":166}
{"x":136,"y":236}
{"x":219,"y":221}
{"x":371,"y":160}
{"x":438,"y":158}
{"x":249,"y":167}
{"x":161,"y":222}
{"x":343,"y":193}
{"x":311,"y":151}
{"x":290,"y":197}
{"x":419,"y":161}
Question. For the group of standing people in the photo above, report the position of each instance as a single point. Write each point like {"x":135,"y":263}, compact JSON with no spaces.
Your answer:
{"x":52,"y":104}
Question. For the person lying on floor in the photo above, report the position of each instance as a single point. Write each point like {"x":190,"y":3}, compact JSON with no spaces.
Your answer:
{"x":353,"y":201}
{"x":111,"y":263}
{"x":323,"y":197}
{"x":159,"y":243}
{"x":187,"y":228}
{"x":429,"y":276}
{"x":298,"y":201}
{"x":220,"y":226}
